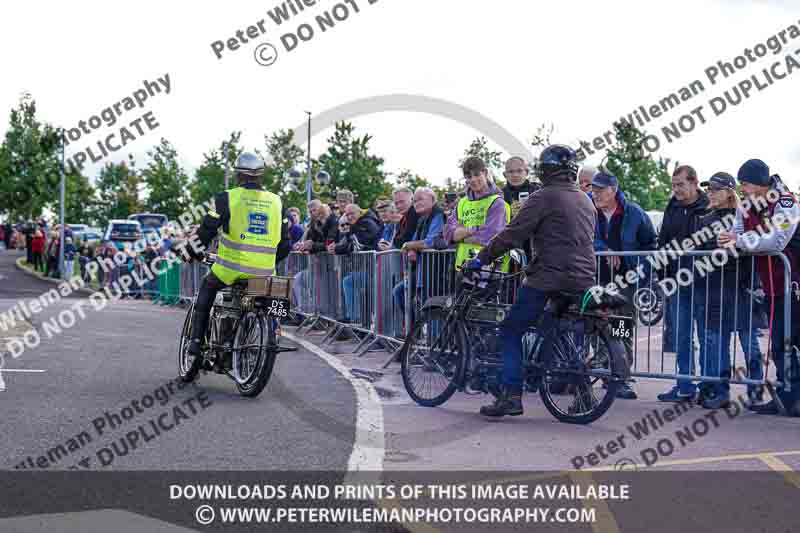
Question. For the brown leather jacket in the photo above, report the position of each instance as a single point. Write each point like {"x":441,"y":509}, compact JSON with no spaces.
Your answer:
{"x":560,"y":221}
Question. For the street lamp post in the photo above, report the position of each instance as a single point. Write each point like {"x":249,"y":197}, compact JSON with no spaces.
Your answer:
{"x":63,"y":222}
{"x":308,"y":161}
{"x":226,"y":165}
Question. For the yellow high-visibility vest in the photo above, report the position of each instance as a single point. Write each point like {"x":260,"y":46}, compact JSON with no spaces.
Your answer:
{"x":472,"y":213}
{"x":248,"y":248}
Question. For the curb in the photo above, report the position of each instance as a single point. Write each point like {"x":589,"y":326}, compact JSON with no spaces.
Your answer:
{"x":29,"y":271}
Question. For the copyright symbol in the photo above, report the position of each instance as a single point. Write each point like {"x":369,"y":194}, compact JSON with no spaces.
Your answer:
{"x":265,"y":54}
{"x":204,"y":515}
{"x":626,"y":464}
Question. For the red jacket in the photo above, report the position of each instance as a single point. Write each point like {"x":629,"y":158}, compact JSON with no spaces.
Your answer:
{"x":37,"y":244}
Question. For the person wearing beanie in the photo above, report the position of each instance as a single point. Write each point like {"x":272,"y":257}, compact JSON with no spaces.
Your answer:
{"x":767,"y":223}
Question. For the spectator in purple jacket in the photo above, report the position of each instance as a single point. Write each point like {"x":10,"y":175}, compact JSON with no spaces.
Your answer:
{"x":296,"y":229}
{"x":480,"y":215}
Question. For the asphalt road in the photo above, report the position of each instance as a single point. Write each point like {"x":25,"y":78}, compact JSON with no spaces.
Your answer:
{"x":95,"y":370}
{"x":306,"y":420}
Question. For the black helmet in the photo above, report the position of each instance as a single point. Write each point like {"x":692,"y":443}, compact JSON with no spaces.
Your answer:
{"x":557,"y":159}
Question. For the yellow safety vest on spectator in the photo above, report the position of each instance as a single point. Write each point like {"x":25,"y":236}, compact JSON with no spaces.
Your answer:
{"x":248,"y":248}
{"x":472,"y":213}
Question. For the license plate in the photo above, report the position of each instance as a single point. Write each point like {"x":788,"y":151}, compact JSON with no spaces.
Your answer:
{"x":277,"y":307}
{"x":621,"y":328}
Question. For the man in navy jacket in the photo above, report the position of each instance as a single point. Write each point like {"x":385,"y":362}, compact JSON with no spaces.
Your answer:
{"x":622,"y":226}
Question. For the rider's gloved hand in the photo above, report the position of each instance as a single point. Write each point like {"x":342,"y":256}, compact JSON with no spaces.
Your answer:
{"x":471,"y":270}
{"x":473,"y":264}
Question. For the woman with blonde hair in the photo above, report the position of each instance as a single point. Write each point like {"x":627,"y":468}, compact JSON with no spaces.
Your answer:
{"x":718,"y":291}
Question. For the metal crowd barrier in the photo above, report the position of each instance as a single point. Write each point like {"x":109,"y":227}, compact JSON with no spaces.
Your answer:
{"x":680,"y":341}
{"x":191,"y":275}
{"x":389,"y":273}
{"x":431,"y":274}
{"x":359,"y":292}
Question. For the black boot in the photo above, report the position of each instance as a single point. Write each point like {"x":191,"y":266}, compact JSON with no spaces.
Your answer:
{"x":198,"y":333}
{"x":506,"y":404}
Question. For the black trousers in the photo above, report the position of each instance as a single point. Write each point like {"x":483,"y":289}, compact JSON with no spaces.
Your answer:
{"x":202,"y":306}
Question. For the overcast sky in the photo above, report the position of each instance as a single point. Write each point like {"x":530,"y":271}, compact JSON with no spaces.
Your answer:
{"x":577,"y":64}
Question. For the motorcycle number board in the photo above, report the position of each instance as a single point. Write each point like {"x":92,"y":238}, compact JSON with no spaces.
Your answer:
{"x":276,"y":307}
{"x":621,"y":327}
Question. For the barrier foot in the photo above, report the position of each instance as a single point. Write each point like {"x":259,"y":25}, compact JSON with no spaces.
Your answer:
{"x":365,"y":347}
{"x":310,"y":323}
{"x":340,"y":329}
{"x":332,"y":334}
{"x":776,"y":397}
{"x":309,"y":320}
{"x":395,"y":357}
{"x":362,"y":342}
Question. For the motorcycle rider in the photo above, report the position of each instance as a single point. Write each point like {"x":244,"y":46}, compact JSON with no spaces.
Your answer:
{"x":560,"y":219}
{"x":254,"y":238}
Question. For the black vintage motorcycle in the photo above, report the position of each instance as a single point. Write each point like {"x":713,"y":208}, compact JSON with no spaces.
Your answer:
{"x":574,"y":357}
{"x":243,"y":325}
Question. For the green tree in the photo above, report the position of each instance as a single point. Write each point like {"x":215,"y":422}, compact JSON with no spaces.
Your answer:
{"x":80,"y":205}
{"x":449,"y":186}
{"x":541,"y":139}
{"x":29,"y":163}
{"x":351,"y":166}
{"x":166,"y":182}
{"x":480,"y":148}
{"x":118,"y":191}
{"x":412,"y":180}
{"x":285,"y":155}
{"x":209,"y":178}
{"x":643,"y":179}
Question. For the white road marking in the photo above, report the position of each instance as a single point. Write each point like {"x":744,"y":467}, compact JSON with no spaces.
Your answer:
{"x":369,"y":446}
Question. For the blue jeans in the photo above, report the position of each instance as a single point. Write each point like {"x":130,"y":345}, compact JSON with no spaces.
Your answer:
{"x":352,"y":304}
{"x":752,"y":352}
{"x":787,"y":397}
{"x":524,"y":314}
{"x":715,"y":341}
{"x":747,"y":329}
{"x":399,"y":296}
{"x":297,"y":289}
{"x":680,"y":333}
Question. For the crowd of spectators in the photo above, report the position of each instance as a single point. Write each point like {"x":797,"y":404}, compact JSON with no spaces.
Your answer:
{"x":740,"y":298}
{"x":700,"y":319}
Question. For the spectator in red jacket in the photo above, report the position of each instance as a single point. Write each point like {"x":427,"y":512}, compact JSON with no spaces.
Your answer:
{"x":37,"y":249}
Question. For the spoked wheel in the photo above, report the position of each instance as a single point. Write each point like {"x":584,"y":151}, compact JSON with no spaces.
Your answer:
{"x":649,"y":305}
{"x":188,"y":365}
{"x":253,"y":360}
{"x":577,"y":387}
{"x":431,"y":359}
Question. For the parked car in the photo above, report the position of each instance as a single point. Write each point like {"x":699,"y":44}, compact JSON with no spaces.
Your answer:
{"x":153,"y":220}
{"x":123,"y":231}
{"x":88,"y":237}
{"x":78,"y":227}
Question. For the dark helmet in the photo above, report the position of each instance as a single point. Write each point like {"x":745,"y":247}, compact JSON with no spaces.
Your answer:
{"x":248,"y":166}
{"x":555,"y":160}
